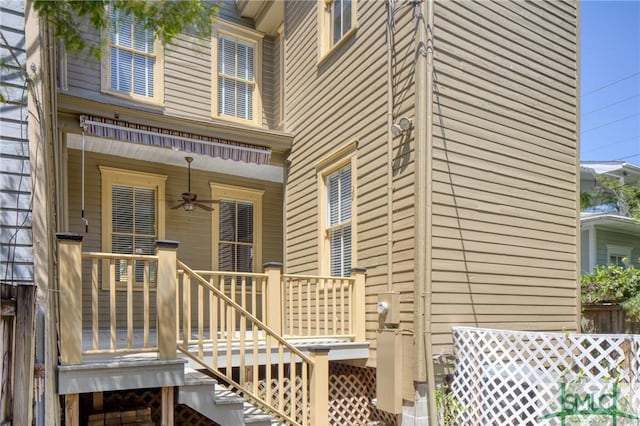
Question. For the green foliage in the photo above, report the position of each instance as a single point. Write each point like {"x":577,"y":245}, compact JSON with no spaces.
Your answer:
{"x":449,"y":407}
{"x":623,"y":198}
{"x":614,"y":284}
{"x":166,"y":18}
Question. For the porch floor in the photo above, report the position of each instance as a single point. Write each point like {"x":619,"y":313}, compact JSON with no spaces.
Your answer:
{"x":340,"y":348}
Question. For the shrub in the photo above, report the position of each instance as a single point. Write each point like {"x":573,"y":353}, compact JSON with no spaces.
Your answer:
{"x":614,"y":284}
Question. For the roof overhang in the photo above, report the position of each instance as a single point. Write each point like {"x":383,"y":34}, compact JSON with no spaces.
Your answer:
{"x":266,"y":14}
{"x":611,"y":222}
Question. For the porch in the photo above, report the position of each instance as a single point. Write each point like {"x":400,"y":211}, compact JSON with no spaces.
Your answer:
{"x":133,"y":321}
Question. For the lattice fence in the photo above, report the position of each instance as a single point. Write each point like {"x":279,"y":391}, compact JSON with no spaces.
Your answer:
{"x":526,"y":378}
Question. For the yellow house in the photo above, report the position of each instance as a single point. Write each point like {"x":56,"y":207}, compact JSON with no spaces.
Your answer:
{"x":295,"y":212}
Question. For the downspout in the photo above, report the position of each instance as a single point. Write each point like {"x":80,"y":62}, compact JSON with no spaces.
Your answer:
{"x":423,"y":148}
{"x":389,"y":147}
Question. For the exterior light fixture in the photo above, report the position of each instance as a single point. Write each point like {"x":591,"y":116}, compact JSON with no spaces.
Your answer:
{"x":401,"y":127}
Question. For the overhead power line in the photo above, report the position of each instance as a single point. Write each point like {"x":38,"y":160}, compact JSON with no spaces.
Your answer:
{"x":628,"y":156}
{"x":612,"y":104}
{"x":610,"y":123}
{"x":608,"y":144}
{"x":610,"y":84}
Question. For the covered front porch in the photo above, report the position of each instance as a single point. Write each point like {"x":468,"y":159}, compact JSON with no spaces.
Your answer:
{"x":146,"y":316}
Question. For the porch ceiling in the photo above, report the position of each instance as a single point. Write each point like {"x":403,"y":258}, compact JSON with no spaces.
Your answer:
{"x":172,"y":157}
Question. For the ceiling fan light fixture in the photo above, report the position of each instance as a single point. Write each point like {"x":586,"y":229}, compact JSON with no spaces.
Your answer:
{"x":188,"y":207}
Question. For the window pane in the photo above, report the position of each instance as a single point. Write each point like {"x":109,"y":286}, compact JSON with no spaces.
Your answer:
{"x":226,"y":96}
{"x":245,"y":100}
{"x":340,"y":251}
{"x":336,"y":21}
{"x":143,"y":75}
{"x":227,"y":56}
{"x":346,"y":16}
{"x":121,"y":65}
{"x":227,"y":220}
{"x":226,"y":261}
{"x":145,"y":211}
{"x":245,"y":61}
{"x":121,"y":25}
{"x":345,"y":194}
{"x":143,"y":38}
{"x":244,"y":258}
{"x":245,"y":222}
{"x":122,"y":208}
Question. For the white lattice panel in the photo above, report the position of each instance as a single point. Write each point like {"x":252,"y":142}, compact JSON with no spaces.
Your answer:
{"x":517,"y":378}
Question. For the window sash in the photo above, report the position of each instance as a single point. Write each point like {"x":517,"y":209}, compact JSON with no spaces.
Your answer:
{"x":133,"y":57}
{"x":133,"y":227}
{"x":341,"y":16}
{"x":338,"y":221}
{"x":236,"y":78}
{"x":236,"y":241}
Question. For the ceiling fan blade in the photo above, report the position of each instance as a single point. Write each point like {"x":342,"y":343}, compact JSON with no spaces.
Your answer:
{"x":178,"y":206}
{"x":202,"y":206}
{"x":207,"y":201}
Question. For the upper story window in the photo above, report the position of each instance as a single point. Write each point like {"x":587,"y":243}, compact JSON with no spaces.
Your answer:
{"x":132,"y":64}
{"x":337,"y":21}
{"x":237,"y":74}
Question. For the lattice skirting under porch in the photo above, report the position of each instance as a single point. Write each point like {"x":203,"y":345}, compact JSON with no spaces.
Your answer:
{"x":351,"y":390}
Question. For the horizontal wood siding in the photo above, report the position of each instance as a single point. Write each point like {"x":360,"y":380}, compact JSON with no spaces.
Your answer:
{"x":16,"y":252}
{"x":504,"y":167}
{"x":331,"y":104}
{"x":188,"y":75}
{"x":192,"y":231}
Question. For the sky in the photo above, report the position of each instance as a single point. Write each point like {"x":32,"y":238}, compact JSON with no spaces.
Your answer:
{"x":610,"y":81}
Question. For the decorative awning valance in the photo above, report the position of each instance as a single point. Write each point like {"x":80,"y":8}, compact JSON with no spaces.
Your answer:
{"x":171,"y":139}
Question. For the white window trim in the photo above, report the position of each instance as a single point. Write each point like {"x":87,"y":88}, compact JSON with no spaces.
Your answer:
{"x":248,"y":36}
{"x":326,"y":47}
{"x":158,"y":75}
{"x":222,"y":191}
{"x":615,"y":250}
{"x":281,"y":77}
{"x":343,"y":156}
{"x":111,"y":176}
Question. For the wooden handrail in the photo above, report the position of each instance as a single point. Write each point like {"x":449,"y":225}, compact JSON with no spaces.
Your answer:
{"x":254,"y":338}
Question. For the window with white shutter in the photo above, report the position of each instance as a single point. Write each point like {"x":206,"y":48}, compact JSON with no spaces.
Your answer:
{"x":338,"y":221}
{"x":132,"y":217}
{"x":237,"y":59}
{"x":132,"y":63}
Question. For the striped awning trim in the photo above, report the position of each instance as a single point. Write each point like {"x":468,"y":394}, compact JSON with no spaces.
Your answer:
{"x":171,"y":139}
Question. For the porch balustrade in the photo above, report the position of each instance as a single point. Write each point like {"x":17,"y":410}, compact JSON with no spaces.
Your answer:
{"x":118,"y":303}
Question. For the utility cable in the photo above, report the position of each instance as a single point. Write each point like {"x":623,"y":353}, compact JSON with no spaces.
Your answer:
{"x":610,"y":84}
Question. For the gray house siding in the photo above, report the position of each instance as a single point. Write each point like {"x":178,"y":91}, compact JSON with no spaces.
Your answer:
{"x":605,"y":238}
{"x":16,"y":254}
{"x":188,"y":75}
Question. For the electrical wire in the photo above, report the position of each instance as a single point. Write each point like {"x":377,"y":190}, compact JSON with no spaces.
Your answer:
{"x":610,"y":123}
{"x":610,"y":84}
{"x":610,"y":105}
{"x":608,"y":144}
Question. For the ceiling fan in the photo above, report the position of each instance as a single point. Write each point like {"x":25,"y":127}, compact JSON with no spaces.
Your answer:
{"x":190,"y":199}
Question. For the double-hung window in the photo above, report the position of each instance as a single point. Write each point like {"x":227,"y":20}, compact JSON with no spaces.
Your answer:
{"x":237,"y":228}
{"x":237,"y":59}
{"x":338,"y":221}
{"x":132,"y":63}
{"x":132,"y":218}
{"x":337,"y":19}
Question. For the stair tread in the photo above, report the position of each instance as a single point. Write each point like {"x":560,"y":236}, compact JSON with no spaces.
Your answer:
{"x":225,"y":396}
{"x":195,"y":377}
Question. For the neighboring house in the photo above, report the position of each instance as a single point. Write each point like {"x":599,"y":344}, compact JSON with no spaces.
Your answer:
{"x":329,"y":136}
{"x":606,"y":236}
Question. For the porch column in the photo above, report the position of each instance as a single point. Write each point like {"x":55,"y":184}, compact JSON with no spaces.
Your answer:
{"x":319,"y":386}
{"x":166,"y":298}
{"x":70,"y":279}
{"x":359,"y":309}
{"x":273,"y":317}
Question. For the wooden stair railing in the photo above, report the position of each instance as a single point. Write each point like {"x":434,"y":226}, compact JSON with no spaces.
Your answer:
{"x":247,"y":354}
